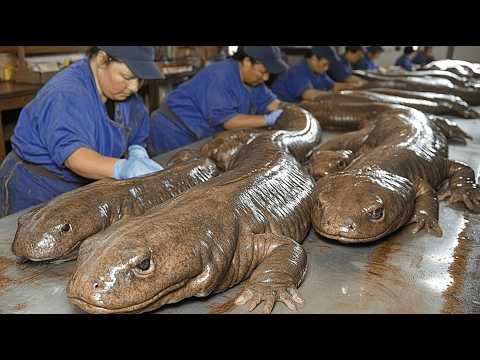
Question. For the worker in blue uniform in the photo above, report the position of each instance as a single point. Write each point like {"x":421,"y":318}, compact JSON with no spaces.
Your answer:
{"x":405,"y":60}
{"x":229,"y":94}
{"x":369,"y":61}
{"x":308,"y":78}
{"x":341,"y":70}
{"x":79,"y":127}
{"x":424,"y":56}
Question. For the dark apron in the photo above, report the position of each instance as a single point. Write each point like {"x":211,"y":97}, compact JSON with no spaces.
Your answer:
{"x":165,"y":110}
{"x":21,"y":184}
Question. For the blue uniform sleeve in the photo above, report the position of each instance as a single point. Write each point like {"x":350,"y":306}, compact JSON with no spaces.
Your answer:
{"x":221,"y":103}
{"x":67,"y":125}
{"x":362,"y":64}
{"x":140,"y":121}
{"x":328,"y":82}
{"x":263,"y":97}
{"x":408,"y":65}
{"x":297,"y":85}
{"x":338,"y":71}
{"x":404,"y":63}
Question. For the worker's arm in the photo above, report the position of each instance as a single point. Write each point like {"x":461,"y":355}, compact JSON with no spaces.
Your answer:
{"x":311,"y":94}
{"x":243,"y":121}
{"x":345,"y":86}
{"x":353,"y":79}
{"x":90,"y":164}
{"x":275,"y":105}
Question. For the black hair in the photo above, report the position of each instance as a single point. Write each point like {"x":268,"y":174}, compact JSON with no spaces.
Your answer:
{"x":309,"y":53}
{"x":407,"y":50}
{"x":241,"y":54}
{"x":353,"y":49}
{"x":94,"y":50}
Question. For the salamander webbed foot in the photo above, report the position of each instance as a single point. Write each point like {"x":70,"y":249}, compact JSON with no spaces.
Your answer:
{"x":427,"y":222}
{"x":462,"y":187}
{"x":254,"y":294}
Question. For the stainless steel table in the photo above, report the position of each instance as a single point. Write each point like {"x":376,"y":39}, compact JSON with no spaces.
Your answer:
{"x":403,"y":273}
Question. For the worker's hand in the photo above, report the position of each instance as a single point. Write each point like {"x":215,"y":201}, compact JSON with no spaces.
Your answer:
{"x":137,"y":151}
{"x":271,"y":119}
{"x":134,"y":167}
{"x":360,"y":83}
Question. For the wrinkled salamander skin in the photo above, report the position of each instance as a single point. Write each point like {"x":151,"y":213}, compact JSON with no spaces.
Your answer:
{"x":428,"y":106}
{"x":454,"y":78}
{"x":456,"y":103}
{"x":244,"y":225}
{"x":458,"y":67}
{"x":424,"y":84}
{"x":54,"y":231}
{"x":401,"y":159}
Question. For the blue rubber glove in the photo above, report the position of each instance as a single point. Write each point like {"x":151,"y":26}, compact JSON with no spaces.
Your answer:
{"x":137,"y":151}
{"x":272,"y":118}
{"x":134,"y":167}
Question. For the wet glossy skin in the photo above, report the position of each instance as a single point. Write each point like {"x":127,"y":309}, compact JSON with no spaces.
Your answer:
{"x":224,"y":146}
{"x":401,"y":159}
{"x":456,"y":103}
{"x":182,"y":156}
{"x":54,"y":232}
{"x":428,"y":106}
{"x":459,"y":67}
{"x":243,"y":225}
{"x":424,"y":84}
{"x":454,"y":78}
{"x":322,"y":163}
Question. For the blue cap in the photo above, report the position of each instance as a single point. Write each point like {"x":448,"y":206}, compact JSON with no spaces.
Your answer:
{"x":372,"y":49}
{"x":327,"y":52}
{"x":270,"y":56}
{"x":140,"y":60}
{"x":356,"y":48}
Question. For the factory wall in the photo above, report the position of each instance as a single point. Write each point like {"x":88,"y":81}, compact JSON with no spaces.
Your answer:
{"x":467,"y":53}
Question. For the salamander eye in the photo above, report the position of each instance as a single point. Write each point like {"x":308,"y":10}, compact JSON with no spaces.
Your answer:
{"x":377,"y":213}
{"x":144,"y":268}
{"x":144,"y":265}
{"x":66,"y":228}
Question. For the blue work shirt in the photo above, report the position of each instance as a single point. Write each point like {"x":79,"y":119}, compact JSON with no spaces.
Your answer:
{"x":204,"y":103}
{"x":292,"y":83}
{"x":365,"y":64}
{"x":421,"y":59}
{"x":68,"y":113}
{"x":340,"y":70}
{"x":405,"y":62}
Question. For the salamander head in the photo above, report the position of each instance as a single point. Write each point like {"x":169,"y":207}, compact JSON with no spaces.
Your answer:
{"x":361,"y":207}
{"x":53,"y":232}
{"x":128,"y":271}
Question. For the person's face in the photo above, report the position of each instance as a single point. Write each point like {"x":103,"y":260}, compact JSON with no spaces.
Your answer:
{"x":357,"y":56}
{"x":374,"y":55}
{"x":428,"y":52}
{"x":253,"y":74}
{"x":319,"y":65}
{"x":117,"y":82}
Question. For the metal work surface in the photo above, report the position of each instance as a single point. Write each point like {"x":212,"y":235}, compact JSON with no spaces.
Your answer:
{"x":402,"y":273}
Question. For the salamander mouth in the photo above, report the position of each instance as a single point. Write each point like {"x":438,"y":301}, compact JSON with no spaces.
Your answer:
{"x":91,"y":308}
{"x":352,"y":239}
{"x":70,"y":254}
